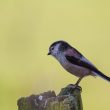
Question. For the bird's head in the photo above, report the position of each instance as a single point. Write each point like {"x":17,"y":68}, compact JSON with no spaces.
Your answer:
{"x":58,"y":47}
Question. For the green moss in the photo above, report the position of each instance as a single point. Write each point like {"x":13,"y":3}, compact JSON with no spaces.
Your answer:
{"x":68,"y":99}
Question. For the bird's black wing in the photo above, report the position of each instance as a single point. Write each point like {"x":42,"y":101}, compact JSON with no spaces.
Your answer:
{"x":87,"y":65}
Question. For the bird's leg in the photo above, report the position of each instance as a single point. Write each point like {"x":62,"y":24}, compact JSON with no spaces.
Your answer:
{"x":78,"y":81}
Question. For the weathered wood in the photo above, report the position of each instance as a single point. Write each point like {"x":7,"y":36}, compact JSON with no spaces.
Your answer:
{"x":69,"y":98}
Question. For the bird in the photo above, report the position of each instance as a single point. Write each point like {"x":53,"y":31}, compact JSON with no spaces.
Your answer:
{"x":73,"y":61}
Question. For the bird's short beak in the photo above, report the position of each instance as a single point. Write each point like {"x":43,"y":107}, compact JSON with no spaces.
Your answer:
{"x":49,"y":53}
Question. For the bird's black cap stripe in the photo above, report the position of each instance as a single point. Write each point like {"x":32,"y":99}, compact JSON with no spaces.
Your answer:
{"x":64,"y":45}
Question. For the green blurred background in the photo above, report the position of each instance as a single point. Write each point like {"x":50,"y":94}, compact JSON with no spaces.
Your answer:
{"x":28,"y":27}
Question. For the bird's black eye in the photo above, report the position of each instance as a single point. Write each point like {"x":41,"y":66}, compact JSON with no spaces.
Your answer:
{"x":52,"y":48}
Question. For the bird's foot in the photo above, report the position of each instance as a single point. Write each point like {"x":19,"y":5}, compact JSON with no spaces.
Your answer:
{"x":75,"y":86}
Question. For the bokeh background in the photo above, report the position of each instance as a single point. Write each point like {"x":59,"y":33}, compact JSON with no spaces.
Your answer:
{"x":28,"y":27}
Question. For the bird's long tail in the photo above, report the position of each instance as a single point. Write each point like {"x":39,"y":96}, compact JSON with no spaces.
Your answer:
{"x":98,"y":73}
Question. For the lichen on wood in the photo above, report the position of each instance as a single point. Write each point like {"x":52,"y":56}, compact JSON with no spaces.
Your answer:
{"x":69,"y":98}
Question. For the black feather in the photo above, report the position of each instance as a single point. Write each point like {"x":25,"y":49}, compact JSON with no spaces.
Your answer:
{"x":84,"y":64}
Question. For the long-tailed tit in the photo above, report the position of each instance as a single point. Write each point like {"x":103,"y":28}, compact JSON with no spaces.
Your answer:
{"x":73,"y":61}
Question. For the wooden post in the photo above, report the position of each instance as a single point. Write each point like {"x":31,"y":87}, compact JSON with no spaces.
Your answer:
{"x":69,"y":98}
